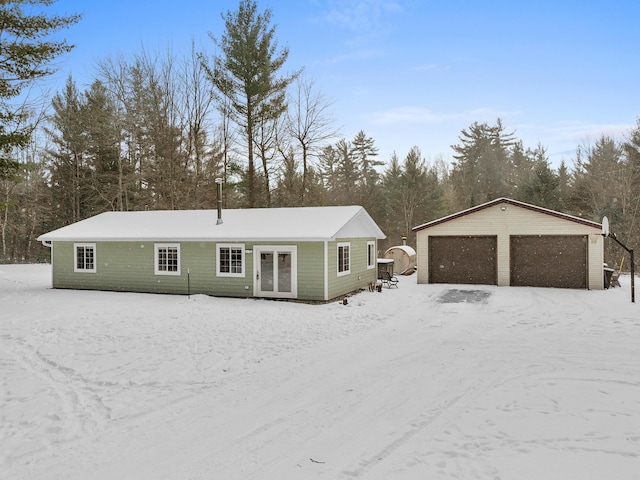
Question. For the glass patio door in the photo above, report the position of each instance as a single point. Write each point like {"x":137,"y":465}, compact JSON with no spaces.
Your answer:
{"x":275,"y":271}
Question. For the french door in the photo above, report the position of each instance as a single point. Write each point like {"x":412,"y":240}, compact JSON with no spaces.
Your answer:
{"x":275,"y":271}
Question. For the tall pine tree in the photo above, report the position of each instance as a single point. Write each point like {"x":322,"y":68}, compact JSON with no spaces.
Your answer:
{"x":245,"y":76}
{"x":26,"y":55}
{"x":482,"y":164}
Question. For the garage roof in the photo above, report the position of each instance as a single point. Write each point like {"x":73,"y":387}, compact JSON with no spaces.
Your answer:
{"x":509,"y":201}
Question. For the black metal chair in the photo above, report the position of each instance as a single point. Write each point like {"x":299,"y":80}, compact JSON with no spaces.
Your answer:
{"x":389,"y":280}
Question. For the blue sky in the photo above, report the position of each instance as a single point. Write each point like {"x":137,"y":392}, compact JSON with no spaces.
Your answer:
{"x":416,"y":72}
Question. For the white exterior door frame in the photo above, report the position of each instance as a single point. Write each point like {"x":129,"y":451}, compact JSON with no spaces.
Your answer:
{"x":275,"y":271}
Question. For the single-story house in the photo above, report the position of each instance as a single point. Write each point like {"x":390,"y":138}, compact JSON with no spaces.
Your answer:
{"x":507,"y":242}
{"x":306,"y":253}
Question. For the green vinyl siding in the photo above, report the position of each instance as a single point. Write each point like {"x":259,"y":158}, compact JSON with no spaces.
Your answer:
{"x":130,"y":266}
{"x":360,"y":275}
{"x":311,"y":270}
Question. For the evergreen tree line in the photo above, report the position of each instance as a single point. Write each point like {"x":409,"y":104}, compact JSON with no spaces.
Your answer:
{"x":98,"y":153}
{"x":154,"y":131}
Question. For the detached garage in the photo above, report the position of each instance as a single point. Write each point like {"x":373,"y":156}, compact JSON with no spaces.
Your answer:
{"x":507,"y":242}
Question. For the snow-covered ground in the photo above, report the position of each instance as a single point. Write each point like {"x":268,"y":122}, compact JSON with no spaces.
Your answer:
{"x":410,"y":383}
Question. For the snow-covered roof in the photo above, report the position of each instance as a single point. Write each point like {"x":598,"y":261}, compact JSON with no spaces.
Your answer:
{"x":259,"y":224}
{"x":509,"y":201}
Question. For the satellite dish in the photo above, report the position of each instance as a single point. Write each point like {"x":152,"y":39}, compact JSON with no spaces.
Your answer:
{"x":605,"y":227}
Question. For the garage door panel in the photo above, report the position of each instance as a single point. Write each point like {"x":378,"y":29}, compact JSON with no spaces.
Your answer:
{"x":549,"y":261}
{"x":463,"y":259}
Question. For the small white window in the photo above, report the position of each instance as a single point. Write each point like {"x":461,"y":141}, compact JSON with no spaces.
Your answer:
{"x":344,"y":258}
{"x":230,"y":260}
{"x":85,"y":257}
{"x":371,"y":255}
{"x":167,"y":259}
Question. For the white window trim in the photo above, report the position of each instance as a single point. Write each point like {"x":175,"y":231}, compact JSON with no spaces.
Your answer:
{"x":235,"y":246}
{"x":75,"y":258}
{"x":373,"y":255}
{"x":158,"y":246}
{"x":348,"y":271}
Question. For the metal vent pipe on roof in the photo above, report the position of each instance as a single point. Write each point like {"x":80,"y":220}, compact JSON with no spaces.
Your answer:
{"x":219,"y":193}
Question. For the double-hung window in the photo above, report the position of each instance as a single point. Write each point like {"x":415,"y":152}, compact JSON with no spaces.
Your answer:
{"x":344,"y":258}
{"x":167,"y":259}
{"x":371,"y":255}
{"x":230,"y":260}
{"x":85,"y":257}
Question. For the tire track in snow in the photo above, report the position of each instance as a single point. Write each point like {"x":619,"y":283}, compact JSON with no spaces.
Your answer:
{"x":275,"y":444}
{"x":82,"y":409}
{"x":310,"y":419}
{"x":456,"y":392}
{"x":454,"y":402}
{"x":516,"y":364}
{"x":285,"y":437}
{"x":260,"y":436}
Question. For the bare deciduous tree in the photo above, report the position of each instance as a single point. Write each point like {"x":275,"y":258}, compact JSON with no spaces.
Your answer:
{"x":310,"y":124}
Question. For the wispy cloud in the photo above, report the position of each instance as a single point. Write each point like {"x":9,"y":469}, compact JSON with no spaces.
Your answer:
{"x":579,"y":132}
{"x":412,"y":114}
{"x":430,"y":68}
{"x":361,"y":28}
{"x":563,"y":138}
{"x":355,"y":55}
{"x":359,"y":15}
